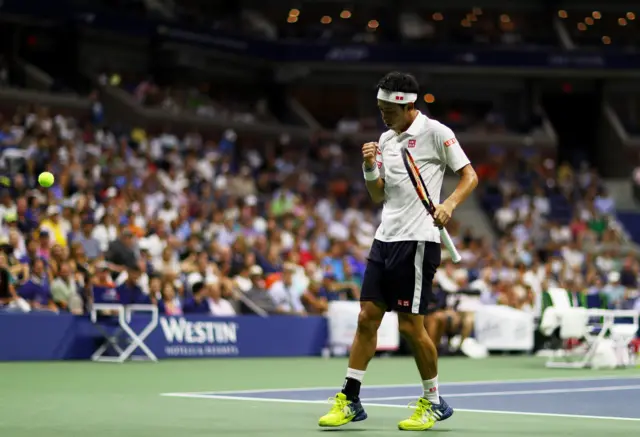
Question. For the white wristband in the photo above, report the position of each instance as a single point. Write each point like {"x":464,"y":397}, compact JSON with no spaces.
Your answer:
{"x":371,"y":175}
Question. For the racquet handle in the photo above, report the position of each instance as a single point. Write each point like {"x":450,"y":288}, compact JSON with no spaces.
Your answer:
{"x":448,"y":243}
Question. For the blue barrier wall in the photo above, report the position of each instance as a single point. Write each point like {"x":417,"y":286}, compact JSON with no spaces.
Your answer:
{"x":45,"y":336}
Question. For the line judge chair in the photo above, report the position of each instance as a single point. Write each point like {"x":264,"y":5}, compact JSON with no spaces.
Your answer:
{"x":603,"y":331}
{"x":111,"y":314}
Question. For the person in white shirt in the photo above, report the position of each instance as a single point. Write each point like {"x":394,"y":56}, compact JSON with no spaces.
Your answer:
{"x":217,"y":305}
{"x":406,"y":250}
{"x":284,"y":293}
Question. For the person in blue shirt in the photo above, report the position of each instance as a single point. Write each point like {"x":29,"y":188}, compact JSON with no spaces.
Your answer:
{"x":197,"y":304}
{"x":31,"y":253}
{"x":36,"y":290}
{"x":334,"y":290}
{"x":129,"y":292}
{"x":334,"y":261}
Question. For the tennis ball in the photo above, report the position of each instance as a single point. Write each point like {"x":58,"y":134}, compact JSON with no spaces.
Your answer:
{"x":46,"y":179}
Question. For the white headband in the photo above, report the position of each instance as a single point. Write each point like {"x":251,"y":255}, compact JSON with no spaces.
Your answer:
{"x":396,"y":96}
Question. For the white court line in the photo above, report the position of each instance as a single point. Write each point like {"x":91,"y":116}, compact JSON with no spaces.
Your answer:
{"x":442,"y":384}
{"x":293,"y":401}
{"x":519,"y":392}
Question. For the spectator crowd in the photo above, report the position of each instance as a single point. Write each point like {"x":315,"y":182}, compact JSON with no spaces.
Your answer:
{"x":208,"y":226}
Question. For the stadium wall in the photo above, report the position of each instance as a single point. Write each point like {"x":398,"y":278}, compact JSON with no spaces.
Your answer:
{"x":46,"y":336}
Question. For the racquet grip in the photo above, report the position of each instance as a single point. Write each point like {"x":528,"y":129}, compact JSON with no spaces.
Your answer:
{"x":448,"y":243}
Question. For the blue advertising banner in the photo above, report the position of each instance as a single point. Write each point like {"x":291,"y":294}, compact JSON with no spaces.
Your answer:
{"x":46,"y":336}
{"x":245,"y":336}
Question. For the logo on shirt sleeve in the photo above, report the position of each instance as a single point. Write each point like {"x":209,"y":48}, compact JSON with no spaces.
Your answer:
{"x":450,"y":142}
{"x":412,"y":144}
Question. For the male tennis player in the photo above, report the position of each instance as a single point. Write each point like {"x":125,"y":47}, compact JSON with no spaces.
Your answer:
{"x":406,"y":250}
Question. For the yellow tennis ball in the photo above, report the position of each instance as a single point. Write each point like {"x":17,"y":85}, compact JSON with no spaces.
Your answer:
{"x":46,"y":179}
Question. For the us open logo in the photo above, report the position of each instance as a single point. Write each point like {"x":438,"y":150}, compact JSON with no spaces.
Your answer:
{"x":412,"y":143}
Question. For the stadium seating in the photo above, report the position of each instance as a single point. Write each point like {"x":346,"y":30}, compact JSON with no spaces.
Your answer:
{"x":209,"y":189}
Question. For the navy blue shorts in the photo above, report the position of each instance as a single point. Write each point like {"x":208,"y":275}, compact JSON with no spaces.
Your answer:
{"x":400,"y":275}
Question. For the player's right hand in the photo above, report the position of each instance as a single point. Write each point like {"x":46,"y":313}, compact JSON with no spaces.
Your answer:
{"x":369,"y":151}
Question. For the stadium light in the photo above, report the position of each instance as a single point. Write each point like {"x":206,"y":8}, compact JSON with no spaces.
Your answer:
{"x":345,"y":14}
{"x":429,"y":98}
{"x":596,"y":14}
{"x":505,"y":18}
{"x":326,"y":20}
{"x":562,"y":13}
{"x":294,"y":13}
{"x":437,"y":16}
{"x":292,"y":19}
{"x":589,"y":21}
{"x":373,"y":24}
{"x":631,"y":16}
{"x":606,"y":40}
{"x":582,"y":26}
{"x":622,"y":22}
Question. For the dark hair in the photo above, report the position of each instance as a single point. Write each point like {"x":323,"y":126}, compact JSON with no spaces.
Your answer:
{"x":197,"y":287}
{"x":400,"y":82}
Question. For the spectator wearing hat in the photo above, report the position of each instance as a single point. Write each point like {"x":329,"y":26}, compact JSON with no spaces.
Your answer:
{"x":44,"y":244}
{"x":258,"y":294}
{"x":54,"y":226}
{"x":614,"y":291}
{"x":285,"y":295}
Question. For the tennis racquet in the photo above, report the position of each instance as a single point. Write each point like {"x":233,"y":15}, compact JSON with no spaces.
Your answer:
{"x":423,"y":194}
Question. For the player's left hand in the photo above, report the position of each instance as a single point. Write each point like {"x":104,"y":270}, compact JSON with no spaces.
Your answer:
{"x":443,"y":213}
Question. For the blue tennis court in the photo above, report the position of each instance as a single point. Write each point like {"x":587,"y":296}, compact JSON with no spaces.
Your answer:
{"x":604,"y":398}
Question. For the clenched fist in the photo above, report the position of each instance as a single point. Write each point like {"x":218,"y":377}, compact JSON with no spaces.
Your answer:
{"x":369,"y":151}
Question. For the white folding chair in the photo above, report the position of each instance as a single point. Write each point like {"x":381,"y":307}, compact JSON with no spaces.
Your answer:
{"x":578,"y":323}
{"x":113,"y":339}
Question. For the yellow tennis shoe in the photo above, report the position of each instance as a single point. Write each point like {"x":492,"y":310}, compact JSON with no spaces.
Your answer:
{"x":342,"y":412}
{"x":421,"y":419}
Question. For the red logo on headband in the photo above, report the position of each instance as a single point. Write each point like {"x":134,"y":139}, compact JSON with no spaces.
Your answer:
{"x":412,"y":143}
{"x":399,"y":97}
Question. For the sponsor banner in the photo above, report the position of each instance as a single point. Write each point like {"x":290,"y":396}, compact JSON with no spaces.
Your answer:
{"x":245,"y":336}
{"x":46,"y":336}
{"x":343,"y":321}
{"x":504,"y":328}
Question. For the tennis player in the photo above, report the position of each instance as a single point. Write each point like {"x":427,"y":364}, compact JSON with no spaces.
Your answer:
{"x":406,"y":251}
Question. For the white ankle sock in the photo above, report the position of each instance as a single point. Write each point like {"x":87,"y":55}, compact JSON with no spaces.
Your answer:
{"x":358,"y":375}
{"x":431,"y":392}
